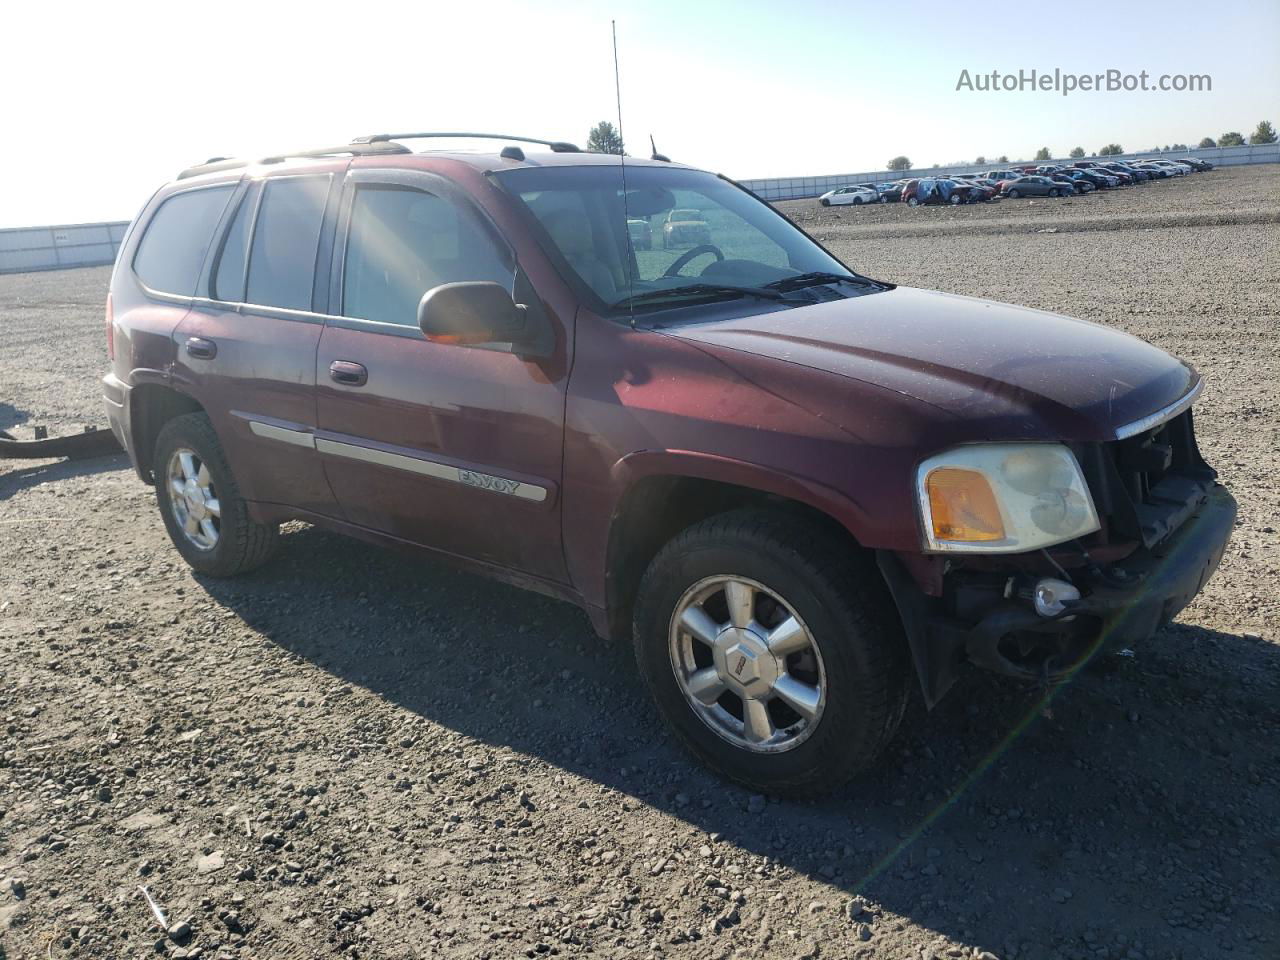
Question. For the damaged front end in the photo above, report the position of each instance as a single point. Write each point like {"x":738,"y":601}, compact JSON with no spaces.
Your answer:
{"x":1164,"y":524}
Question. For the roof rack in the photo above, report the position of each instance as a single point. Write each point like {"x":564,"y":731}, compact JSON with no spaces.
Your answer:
{"x":557,"y":146}
{"x":378,"y":144}
{"x":354,"y":149}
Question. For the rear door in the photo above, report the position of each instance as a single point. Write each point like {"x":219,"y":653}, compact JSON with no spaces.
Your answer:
{"x":247,"y":351}
{"x":456,"y":448}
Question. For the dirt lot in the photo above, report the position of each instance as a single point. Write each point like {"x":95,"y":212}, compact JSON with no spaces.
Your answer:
{"x":354,"y":754}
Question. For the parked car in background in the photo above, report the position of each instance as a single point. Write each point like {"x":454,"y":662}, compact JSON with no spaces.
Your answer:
{"x":641,"y":234}
{"x":1155,"y":171}
{"x":1175,"y":169}
{"x":1085,"y":164}
{"x":1098,"y":177}
{"x":1048,"y":169}
{"x":685,"y":228}
{"x":986,"y":181}
{"x":930,"y":191}
{"x":890,"y":191}
{"x":1000,"y":175}
{"x":1195,"y":163}
{"x":977,"y":192}
{"x":1117,"y":166}
{"x":1077,"y":183}
{"x":1034,"y":186}
{"x":853,"y":195}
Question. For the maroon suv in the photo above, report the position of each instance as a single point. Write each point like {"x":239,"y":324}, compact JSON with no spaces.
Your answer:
{"x":799,"y":491}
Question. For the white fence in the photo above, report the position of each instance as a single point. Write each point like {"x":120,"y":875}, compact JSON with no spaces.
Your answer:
{"x":799,"y":188}
{"x":52,"y":248}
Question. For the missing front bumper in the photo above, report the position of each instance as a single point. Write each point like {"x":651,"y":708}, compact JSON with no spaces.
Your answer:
{"x":1163,"y":579}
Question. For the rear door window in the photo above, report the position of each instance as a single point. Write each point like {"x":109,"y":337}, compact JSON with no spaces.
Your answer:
{"x":282,"y":259}
{"x":172,"y":251}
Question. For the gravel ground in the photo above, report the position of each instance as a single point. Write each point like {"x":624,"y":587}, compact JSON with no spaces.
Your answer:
{"x":353,"y":754}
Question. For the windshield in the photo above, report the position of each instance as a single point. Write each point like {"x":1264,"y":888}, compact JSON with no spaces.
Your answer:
{"x":705,"y":232}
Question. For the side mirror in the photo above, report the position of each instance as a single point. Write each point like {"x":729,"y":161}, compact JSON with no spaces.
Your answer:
{"x":471,"y":312}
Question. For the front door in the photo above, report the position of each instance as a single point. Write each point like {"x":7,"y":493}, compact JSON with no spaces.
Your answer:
{"x":456,"y":448}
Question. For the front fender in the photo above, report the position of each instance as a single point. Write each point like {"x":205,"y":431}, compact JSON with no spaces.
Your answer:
{"x":721,"y":469}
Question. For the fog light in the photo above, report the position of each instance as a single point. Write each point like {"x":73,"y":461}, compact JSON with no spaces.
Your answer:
{"x":1051,"y":596}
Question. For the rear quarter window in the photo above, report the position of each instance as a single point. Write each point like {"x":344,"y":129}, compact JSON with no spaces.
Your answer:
{"x":172,"y":250}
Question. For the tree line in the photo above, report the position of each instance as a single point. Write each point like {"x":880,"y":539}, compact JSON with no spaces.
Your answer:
{"x":604,"y":137}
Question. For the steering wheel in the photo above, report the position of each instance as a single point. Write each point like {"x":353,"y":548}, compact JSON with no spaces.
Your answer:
{"x":684,"y":258}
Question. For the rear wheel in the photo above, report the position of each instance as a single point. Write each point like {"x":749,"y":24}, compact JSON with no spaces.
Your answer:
{"x":1014,"y":194}
{"x":825,"y":202}
{"x":1055,"y":192}
{"x":956,"y":199}
{"x":772,"y":650}
{"x":207,"y":519}
{"x":857,"y":201}
{"x":912,"y":202}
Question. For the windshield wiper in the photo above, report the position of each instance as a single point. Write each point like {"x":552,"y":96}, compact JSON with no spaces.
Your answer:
{"x":816,"y":278}
{"x":702,"y":291}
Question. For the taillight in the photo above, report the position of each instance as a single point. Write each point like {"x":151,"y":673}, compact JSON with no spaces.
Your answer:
{"x":111,"y":334}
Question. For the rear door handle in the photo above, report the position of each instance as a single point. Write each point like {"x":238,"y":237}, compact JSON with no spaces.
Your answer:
{"x":348,"y":373}
{"x":201,"y":349}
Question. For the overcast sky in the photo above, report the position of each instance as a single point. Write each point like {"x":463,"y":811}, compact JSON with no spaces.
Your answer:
{"x":103,"y":102}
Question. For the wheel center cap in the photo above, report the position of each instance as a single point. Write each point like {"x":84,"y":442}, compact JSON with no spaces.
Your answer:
{"x":195,"y":499}
{"x":744,"y":662}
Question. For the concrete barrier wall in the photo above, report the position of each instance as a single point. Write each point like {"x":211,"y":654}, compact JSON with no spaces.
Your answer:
{"x":799,"y":188}
{"x":26,"y":249}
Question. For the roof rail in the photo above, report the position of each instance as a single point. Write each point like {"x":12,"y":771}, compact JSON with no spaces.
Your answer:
{"x":355,"y":149}
{"x":557,"y":146}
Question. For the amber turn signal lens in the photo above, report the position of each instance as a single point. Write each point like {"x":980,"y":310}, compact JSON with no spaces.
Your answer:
{"x":962,"y":506}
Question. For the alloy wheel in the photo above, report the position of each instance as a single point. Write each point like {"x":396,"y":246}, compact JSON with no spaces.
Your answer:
{"x":747,"y":665}
{"x":193,"y":499}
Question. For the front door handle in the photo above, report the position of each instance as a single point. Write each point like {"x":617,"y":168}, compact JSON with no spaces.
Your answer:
{"x":201,"y":349}
{"x":348,"y":373}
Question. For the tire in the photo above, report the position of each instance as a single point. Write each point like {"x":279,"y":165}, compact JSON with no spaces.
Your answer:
{"x":241,"y":543}
{"x":956,"y":200}
{"x":1055,"y":193}
{"x":913,"y":202}
{"x":835,"y":593}
{"x":825,"y":203}
{"x":884,"y":199}
{"x":1014,"y":194}
{"x":857,"y":201}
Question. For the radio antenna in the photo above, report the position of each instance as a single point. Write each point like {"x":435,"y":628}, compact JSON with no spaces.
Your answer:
{"x":622,"y":163}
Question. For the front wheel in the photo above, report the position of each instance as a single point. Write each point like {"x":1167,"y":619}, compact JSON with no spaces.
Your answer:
{"x":913,"y":202}
{"x":773,"y":651}
{"x":1014,"y":194}
{"x":207,"y":519}
{"x":825,"y":202}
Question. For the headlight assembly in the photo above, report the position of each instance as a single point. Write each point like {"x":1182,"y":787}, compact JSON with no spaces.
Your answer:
{"x":1003,"y":498}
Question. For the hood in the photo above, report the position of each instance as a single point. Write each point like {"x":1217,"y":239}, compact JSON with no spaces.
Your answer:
{"x":1021,"y":372}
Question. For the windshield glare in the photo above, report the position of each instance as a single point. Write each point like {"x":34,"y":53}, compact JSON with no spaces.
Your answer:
{"x":713,"y":233}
